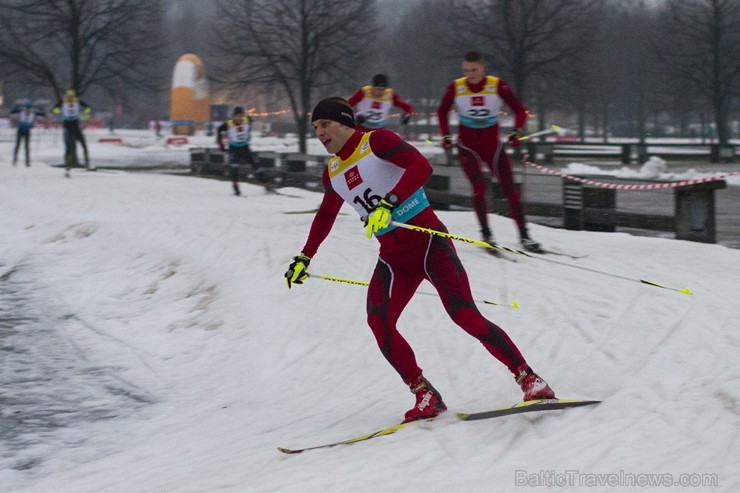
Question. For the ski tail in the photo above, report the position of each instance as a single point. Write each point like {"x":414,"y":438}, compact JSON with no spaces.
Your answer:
{"x":385,"y":431}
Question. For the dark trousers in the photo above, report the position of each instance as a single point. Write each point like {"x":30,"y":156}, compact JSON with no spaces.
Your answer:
{"x":73,"y":134}
{"x":26,"y":136}
{"x":243,"y":155}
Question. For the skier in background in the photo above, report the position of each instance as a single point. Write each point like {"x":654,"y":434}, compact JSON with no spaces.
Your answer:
{"x":71,"y":108}
{"x":26,"y":118}
{"x":237,"y":133}
{"x":478,"y":99}
{"x":382,"y":178}
{"x":372,"y":104}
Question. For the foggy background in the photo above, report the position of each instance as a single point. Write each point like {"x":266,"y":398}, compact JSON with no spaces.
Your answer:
{"x":622,"y":68}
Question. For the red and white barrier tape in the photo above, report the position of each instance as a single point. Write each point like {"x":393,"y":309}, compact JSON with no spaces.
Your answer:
{"x":619,"y":186}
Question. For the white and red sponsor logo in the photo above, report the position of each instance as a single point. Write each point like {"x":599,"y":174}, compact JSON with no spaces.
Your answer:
{"x":353,"y":178}
{"x":478,"y":100}
{"x":425,"y":401}
{"x":376,"y":105}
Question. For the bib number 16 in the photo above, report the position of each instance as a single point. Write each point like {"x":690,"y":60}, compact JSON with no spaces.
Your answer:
{"x":368,"y":201}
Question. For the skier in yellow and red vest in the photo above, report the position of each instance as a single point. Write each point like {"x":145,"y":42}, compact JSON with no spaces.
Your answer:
{"x":72,"y":108}
{"x":372,"y":104}
{"x":237,"y":132}
{"x":478,"y":99}
{"x":382,"y":177}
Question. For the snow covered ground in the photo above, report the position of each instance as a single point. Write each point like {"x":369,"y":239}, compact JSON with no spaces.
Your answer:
{"x":149,"y":344}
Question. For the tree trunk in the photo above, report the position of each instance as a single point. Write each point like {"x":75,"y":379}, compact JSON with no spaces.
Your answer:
{"x":581,"y":116}
{"x":720,"y":119}
{"x":302,"y":124}
{"x":605,"y":121}
{"x":641,"y":133}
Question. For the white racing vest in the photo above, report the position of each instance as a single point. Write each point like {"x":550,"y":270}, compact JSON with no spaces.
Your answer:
{"x":239,"y":134}
{"x":363,"y":179}
{"x":25,"y":120}
{"x":376,"y":110}
{"x":478,"y":109}
{"x":71,"y":111}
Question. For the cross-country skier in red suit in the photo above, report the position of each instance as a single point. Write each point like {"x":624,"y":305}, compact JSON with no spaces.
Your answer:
{"x":372,"y":104}
{"x":382,"y":177}
{"x":478,"y":99}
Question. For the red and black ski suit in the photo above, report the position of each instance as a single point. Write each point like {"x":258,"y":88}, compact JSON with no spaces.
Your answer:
{"x":396,"y":101}
{"x":479,"y":145}
{"x":406,"y":258}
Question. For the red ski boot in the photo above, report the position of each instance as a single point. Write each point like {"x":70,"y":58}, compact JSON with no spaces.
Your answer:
{"x":533,"y":386}
{"x":428,"y":401}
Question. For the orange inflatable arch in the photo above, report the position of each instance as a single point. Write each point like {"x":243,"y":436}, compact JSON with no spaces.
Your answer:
{"x":190,"y":107}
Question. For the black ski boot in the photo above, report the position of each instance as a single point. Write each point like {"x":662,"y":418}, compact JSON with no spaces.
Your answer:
{"x":488,"y":238}
{"x":528,"y":243}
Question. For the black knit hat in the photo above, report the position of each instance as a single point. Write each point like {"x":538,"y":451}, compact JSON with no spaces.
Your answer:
{"x":380,"y":80}
{"x":334,"y":109}
{"x":238,"y":110}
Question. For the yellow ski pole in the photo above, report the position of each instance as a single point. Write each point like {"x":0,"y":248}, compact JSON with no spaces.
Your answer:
{"x":553,"y":129}
{"x":514,"y":304}
{"x":540,"y":257}
{"x":443,"y":234}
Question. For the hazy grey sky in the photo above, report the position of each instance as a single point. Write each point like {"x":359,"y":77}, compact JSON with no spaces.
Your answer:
{"x":189,"y":21}
{"x":188,"y":25}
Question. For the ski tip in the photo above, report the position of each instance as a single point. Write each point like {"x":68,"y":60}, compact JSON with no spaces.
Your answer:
{"x":289,"y":451}
{"x":566,"y":402}
{"x":526,"y":406}
{"x":515,"y":304}
{"x":576,"y":401}
{"x":685,"y":291}
{"x":555,"y":127}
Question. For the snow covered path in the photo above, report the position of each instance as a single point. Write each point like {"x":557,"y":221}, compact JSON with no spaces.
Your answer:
{"x":160,"y":300}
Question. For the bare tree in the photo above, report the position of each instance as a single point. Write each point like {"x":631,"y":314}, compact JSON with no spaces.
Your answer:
{"x":585,"y":88}
{"x":81,"y":44}
{"x":530,"y":42}
{"x":703,"y":47}
{"x":624,"y":87}
{"x":421,"y":58}
{"x":300,"y":46}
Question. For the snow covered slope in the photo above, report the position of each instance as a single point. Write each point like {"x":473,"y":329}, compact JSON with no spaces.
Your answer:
{"x":158,"y":341}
